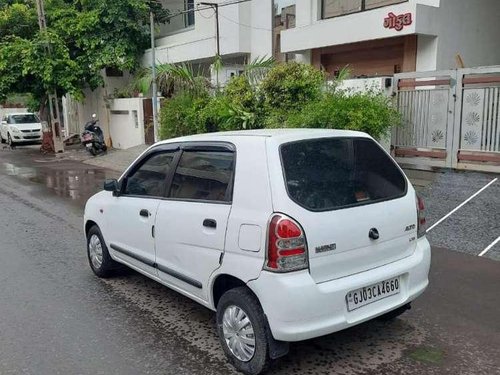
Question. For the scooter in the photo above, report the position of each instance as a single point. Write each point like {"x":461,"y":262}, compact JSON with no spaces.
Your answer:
{"x":93,"y":137}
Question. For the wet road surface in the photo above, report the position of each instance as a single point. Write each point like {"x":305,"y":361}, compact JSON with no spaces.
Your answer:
{"x":57,"y":318}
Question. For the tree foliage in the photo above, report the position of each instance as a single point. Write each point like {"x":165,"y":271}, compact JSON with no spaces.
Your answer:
{"x":83,"y":37}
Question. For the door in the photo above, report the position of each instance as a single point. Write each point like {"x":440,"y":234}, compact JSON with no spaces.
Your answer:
{"x":131,"y":215}
{"x":191,"y":223}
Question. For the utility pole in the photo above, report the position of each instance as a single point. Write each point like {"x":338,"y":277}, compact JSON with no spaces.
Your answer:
{"x":215,"y":6}
{"x":54,"y":113}
{"x":153,"y":76}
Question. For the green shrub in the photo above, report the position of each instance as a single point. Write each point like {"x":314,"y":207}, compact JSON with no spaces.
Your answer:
{"x":292,"y":95}
{"x":223,"y":113}
{"x":180,"y":115}
{"x":239,"y":91}
{"x":367,"y":112}
{"x":292,"y":85}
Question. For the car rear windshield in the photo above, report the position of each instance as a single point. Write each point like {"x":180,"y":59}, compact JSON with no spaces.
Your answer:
{"x":23,"y":119}
{"x":331,"y":173}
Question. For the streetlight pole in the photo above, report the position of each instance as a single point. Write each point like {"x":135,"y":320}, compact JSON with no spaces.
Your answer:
{"x":54,"y":113}
{"x":215,"y":6}
{"x":153,"y":76}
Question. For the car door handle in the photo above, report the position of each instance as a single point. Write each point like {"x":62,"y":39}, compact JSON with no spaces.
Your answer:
{"x":210,"y":223}
{"x":144,"y":213}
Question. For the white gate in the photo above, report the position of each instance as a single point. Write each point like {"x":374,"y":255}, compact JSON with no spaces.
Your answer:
{"x":450,"y":119}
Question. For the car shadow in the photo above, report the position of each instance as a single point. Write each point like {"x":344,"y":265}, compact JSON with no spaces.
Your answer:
{"x":361,"y":348}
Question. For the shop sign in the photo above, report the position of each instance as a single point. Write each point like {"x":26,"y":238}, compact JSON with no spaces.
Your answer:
{"x":398,"y":22}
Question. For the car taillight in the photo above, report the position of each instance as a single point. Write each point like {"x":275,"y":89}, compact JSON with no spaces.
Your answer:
{"x":286,"y":245}
{"x":421,"y":222}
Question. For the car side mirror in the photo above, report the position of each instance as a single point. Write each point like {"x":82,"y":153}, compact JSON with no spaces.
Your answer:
{"x":112,"y":185}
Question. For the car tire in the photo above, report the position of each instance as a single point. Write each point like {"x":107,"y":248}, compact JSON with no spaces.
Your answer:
{"x":10,"y":142}
{"x":100,"y":261}
{"x":235,"y":307}
{"x":1,"y":139}
{"x":391,"y":315}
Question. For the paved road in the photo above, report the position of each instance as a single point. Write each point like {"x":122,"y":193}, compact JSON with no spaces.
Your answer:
{"x":57,"y":318}
{"x":474,"y":226}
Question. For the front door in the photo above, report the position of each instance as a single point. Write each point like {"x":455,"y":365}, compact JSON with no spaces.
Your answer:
{"x":191,"y":223}
{"x":131,"y":215}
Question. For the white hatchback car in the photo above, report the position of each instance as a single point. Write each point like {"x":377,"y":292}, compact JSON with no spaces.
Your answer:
{"x":21,"y":128}
{"x":286,"y":234}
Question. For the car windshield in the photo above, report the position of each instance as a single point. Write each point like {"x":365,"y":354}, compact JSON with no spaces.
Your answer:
{"x":23,"y":119}
{"x":332,"y":173}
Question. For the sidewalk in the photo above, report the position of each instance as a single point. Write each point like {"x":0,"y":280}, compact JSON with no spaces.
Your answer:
{"x":116,"y":160}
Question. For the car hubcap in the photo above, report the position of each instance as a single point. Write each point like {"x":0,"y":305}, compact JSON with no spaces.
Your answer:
{"x":95,"y":251}
{"x":238,"y":333}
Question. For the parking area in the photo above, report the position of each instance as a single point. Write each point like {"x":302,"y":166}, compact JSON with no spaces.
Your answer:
{"x":452,"y":329}
{"x":462,"y":209}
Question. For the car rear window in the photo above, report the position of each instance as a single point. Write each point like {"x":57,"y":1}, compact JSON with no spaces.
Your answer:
{"x":331,"y":173}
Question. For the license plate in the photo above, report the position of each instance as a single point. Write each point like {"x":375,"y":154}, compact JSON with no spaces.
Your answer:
{"x":369,"y":294}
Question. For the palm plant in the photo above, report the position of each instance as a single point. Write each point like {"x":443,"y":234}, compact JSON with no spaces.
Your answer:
{"x":174,"y":78}
{"x":258,"y":68}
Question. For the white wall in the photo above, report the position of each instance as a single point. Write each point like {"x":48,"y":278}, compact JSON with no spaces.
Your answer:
{"x":312,"y":32}
{"x":78,"y":113}
{"x":445,"y":28}
{"x":261,"y":32}
{"x":127,"y":123}
{"x":199,"y":43}
{"x":427,"y":47}
{"x":471,"y":29}
{"x":6,"y":111}
{"x":245,"y":28}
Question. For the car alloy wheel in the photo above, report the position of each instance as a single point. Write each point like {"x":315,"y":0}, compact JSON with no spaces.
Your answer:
{"x":95,"y":251}
{"x":238,"y":333}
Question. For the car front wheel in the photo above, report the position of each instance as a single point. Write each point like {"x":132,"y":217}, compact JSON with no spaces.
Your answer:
{"x":241,"y":326}
{"x":10,"y":142}
{"x":99,"y":259}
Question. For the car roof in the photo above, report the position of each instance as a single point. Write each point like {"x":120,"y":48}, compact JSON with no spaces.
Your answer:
{"x":280,"y":135}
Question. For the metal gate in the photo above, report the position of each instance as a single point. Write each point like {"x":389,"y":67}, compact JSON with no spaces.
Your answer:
{"x":451,"y":119}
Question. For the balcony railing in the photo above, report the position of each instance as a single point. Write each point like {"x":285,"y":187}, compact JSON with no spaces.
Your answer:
{"x":336,"y":8}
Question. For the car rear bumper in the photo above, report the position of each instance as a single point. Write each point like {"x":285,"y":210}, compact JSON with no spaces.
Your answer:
{"x":299,"y":309}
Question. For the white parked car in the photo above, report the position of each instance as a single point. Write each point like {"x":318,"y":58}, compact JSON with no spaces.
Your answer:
{"x":286,"y":234}
{"x":20,"y":128}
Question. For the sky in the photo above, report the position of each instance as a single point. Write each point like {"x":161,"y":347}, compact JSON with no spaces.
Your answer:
{"x":284,"y":3}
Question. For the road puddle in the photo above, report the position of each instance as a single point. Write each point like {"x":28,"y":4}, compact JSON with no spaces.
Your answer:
{"x":68,"y":180}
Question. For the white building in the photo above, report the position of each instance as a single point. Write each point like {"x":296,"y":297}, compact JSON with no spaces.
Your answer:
{"x":383,"y":37}
{"x":245,"y":33}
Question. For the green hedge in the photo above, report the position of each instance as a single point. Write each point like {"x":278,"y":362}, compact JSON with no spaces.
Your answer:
{"x":291,"y":95}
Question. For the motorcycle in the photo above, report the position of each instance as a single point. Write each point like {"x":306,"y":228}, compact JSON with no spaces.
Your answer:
{"x":93,"y":137}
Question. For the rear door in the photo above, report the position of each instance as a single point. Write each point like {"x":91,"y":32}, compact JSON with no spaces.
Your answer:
{"x":352,"y":201}
{"x":191,"y":223}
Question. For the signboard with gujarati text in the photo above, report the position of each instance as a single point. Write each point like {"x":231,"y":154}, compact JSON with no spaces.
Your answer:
{"x":398,"y":22}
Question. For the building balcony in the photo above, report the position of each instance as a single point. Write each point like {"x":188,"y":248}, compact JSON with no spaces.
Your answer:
{"x":191,"y":37}
{"x":330,"y":23}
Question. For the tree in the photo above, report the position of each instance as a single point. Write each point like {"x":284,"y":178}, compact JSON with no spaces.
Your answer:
{"x":83,"y":36}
